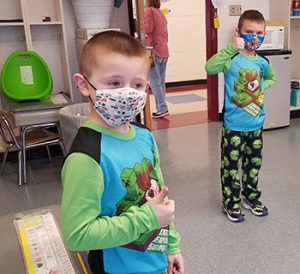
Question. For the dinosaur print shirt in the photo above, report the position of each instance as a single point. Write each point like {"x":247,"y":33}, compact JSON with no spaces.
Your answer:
{"x":107,"y":178}
{"x":246,"y":79}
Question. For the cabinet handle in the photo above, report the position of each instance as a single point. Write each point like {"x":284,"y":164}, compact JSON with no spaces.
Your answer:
{"x":286,"y":57}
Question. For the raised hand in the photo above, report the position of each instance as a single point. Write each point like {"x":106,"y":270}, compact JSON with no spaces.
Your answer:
{"x":238,"y":42}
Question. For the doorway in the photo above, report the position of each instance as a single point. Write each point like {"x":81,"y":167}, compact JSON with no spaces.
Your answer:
{"x":189,"y":102}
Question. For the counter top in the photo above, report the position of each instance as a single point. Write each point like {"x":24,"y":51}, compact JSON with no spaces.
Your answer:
{"x":274,"y":52}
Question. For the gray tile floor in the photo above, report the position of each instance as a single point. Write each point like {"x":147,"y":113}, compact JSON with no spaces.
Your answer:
{"x":190,"y":162}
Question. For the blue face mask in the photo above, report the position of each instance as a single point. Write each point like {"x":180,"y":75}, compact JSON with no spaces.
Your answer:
{"x":252,"y":41}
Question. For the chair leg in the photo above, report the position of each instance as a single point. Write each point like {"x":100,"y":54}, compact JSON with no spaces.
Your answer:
{"x":63,"y":148}
{"x":48,"y":152}
{"x":4,"y":157}
{"x":23,"y":155}
{"x":23,"y":166}
{"x":20,"y":167}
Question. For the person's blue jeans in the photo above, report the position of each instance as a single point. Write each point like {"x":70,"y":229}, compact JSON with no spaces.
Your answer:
{"x":157,"y":78}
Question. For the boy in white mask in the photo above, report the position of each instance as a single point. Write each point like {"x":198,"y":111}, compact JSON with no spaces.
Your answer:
{"x":247,"y":75}
{"x":114,"y":201}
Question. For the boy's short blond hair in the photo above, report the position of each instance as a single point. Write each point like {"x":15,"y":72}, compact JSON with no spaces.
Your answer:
{"x":105,"y":43}
{"x":251,"y":15}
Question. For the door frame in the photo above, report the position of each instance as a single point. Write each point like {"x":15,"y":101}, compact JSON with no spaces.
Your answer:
{"x":211,"y":49}
{"x":139,"y":28}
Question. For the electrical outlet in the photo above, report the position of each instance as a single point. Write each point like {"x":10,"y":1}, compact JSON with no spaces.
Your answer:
{"x":235,"y":10}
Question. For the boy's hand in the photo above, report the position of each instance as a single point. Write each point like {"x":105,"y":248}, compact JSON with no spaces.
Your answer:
{"x":175,"y":264}
{"x":238,"y":42}
{"x":164,"y":209}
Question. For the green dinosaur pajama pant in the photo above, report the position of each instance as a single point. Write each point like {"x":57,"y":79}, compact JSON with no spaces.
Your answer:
{"x":247,"y":147}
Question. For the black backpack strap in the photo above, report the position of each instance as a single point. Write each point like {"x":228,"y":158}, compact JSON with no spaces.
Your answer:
{"x":87,"y":141}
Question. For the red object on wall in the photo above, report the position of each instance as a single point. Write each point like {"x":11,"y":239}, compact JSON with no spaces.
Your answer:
{"x":296,"y":4}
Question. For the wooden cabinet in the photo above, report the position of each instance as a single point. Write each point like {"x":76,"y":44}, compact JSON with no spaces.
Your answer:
{"x":23,"y":27}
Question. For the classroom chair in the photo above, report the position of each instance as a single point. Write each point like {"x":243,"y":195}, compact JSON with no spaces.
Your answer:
{"x":30,"y":137}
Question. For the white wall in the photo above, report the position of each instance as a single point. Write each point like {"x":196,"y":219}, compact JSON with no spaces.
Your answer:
{"x":228,"y":25}
{"x":187,"y":43}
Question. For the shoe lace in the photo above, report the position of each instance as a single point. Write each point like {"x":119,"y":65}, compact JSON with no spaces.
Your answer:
{"x":258,"y":205}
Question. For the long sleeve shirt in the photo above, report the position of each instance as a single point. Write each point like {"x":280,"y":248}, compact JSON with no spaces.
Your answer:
{"x":246,"y":79}
{"x":107,"y":178}
{"x":156,"y":28}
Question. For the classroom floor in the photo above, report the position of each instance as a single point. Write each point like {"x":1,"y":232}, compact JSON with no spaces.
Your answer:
{"x":185,"y":108}
{"x":190,"y":162}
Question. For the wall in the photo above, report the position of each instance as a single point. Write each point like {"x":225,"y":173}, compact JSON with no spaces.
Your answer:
{"x":228,"y":25}
{"x":186,"y":26}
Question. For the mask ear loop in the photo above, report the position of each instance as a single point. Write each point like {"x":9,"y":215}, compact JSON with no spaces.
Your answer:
{"x":91,"y":86}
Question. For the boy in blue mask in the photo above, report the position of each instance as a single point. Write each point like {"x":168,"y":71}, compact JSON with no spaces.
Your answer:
{"x":114,"y":202}
{"x":247,"y":75}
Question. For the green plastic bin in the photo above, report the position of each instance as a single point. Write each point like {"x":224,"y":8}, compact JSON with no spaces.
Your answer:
{"x":26,"y":76}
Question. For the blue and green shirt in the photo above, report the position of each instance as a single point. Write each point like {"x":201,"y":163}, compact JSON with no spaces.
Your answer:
{"x":246,"y":79}
{"x":107,"y":178}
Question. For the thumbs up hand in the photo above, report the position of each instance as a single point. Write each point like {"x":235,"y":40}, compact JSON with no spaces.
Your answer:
{"x":164,"y":209}
{"x":238,"y":42}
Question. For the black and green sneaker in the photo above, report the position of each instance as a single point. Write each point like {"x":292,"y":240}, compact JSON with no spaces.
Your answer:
{"x":234,"y":215}
{"x":256,"y":207}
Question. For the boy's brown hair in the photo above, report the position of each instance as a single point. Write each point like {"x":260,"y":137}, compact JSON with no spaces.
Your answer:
{"x":105,"y":43}
{"x":154,"y":3}
{"x":251,"y":15}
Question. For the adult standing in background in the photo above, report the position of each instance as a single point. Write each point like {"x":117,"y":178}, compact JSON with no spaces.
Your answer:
{"x":157,"y":36}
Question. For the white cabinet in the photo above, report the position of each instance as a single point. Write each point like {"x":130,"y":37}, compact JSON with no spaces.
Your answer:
{"x":22,"y":28}
{"x":277,"y":97}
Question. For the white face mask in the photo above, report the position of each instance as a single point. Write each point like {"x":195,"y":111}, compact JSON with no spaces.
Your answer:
{"x":117,"y":107}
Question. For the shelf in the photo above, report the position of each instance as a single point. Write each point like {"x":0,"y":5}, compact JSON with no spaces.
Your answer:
{"x":11,"y":24}
{"x":22,"y":28}
{"x":45,"y":23}
{"x":294,"y":17}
